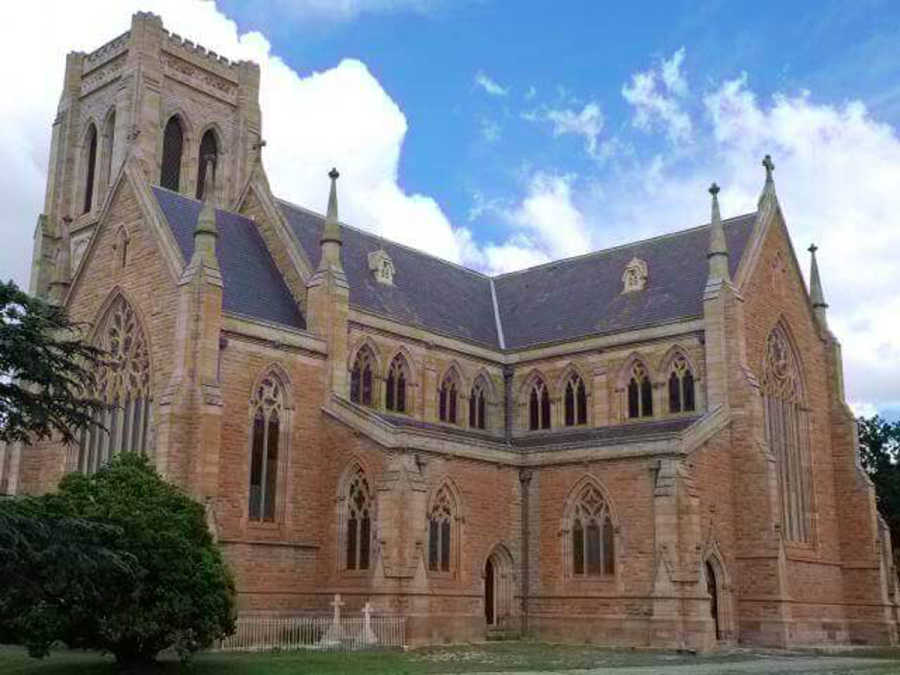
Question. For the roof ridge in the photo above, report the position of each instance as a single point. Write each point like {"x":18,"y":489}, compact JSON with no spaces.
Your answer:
{"x":383,"y":238}
{"x":665,"y":235}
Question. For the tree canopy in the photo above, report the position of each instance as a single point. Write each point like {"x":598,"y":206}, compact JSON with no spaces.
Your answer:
{"x":120,"y":561}
{"x":46,"y":370}
{"x":879,"y":451}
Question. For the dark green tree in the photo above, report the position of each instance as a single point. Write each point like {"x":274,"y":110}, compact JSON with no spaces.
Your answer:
{"x":879,"y":452}
{"x":120,"y":561}
{"x":46,"y":370}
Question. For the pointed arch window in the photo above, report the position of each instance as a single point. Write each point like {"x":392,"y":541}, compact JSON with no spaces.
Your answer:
{"x":173,"y":142}
{"x":361,"y":377}
{"x":592,"y":534}
{"x":477,"y":406}
{"x":787,"y":433}
{"x":575,"y":404}
{"x":90,"y":167}
{"x":122,"y":382}
{"x":681,"y":386}
{"x":449,"y":398}
{"x":209,"y":149}
{"x":359,"y":522}
{"x":440,"y":531}
{"x":538,"y":406}
{"x":395,"y":391}
{"x":267,"y":408}
{"x":640,"y":392}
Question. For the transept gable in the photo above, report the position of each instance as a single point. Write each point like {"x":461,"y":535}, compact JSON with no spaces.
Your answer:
{"x":129,"y":190}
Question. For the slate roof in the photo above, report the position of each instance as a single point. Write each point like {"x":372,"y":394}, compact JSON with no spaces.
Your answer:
{"x":427,"y":291}
{"x":582,"y":296}
{"x":562,"y":300}
{"x":252,"y":285}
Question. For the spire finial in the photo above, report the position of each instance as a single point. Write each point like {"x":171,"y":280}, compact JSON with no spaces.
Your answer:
{"x":332,"y":230}
{"x":770,"y":167}
{"x":718,"y":248}
{"x":816,"y":295}
{"x":206,"y":221}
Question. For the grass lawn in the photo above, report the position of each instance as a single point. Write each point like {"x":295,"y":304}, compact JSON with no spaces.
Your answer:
{"x":508,"y":657}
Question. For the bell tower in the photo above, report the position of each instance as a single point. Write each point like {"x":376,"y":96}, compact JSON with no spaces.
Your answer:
{"x":160,"y":98}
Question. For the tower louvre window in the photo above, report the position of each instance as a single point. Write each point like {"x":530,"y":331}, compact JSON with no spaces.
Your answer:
{"x":91,"y":168}
{"x":209,"y":149}
{"x":173,"y":142}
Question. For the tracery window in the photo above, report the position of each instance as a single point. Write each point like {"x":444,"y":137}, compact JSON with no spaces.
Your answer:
{"x":575,"y":403}
{"x":681,"y":386}
{"x":361,"y":376}
{"x":209,"y":149}
{"x":359,"y":520}
{"x":395,"y":391}
{"x":477,"y":406}
{"x":440,"y":521}
{"x":787,"y":433}
{"x":267,"y":408}
{"x":123,"y":384}
{"x":173,"y":142}
{"x":90,"y":167}
{"x":592,"y":535}
{"x":538,"y":406}
{"x":448,"y":398}
{"x":640,"y":392}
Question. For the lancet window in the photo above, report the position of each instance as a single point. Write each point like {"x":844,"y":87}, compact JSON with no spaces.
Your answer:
{"x":90,"y":167}
{"x":575,"y":401}
{"x":268,"y":410}
{"x":122,"y":383}
{"x":477,"y":406}
{"x":448,"y":398}
{"x":109,"y":135}
{"x":173,"y":142}
{"x":440,"y":531}
{"x":787,"y":433}
{"x":681,"y":386}
{"x":538,"y":406}
{"x":361,"y":376}
{"x":592,"y":535}
{"x":209,"y":149}
{"x":359,"y":513}
{"x":640,"y":392}
{"x":395,"y":390}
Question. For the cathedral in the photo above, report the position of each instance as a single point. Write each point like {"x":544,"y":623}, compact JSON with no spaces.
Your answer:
{"x":647,"y":445}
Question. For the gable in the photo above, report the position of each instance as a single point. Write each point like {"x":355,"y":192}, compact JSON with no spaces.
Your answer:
{"x":252,"y":284}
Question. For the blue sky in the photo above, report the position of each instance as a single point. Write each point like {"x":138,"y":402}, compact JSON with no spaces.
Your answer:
{"x":500,"y":134}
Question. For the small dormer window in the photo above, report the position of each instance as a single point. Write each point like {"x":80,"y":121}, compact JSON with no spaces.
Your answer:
{"x":381,"y":265}
{"x":634,"y":277}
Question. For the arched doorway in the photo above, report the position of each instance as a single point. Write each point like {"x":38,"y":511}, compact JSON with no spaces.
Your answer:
{"x":712,"y":587}
{"x":498,"y":588}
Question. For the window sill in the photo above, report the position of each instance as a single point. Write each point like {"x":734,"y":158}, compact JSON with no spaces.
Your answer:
{"x":356,"y":574}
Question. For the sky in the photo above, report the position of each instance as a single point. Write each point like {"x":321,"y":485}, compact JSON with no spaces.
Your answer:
{"x":500,"y":134}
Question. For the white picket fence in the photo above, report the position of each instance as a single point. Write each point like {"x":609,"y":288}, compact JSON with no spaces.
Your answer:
{"x":270,"y":632}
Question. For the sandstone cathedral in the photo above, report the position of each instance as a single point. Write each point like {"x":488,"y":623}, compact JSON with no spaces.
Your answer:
{"x":647,"y":445}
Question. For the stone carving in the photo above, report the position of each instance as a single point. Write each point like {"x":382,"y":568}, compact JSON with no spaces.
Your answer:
{"x":198,"y":77}
{"x":103,"y":74}
{"x":780,"y":375}
{"x":634,"y":278}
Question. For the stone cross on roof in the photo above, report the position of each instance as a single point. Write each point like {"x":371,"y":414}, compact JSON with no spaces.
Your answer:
{"x":770,"y":167}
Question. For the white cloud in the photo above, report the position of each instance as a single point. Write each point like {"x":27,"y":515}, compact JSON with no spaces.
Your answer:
{"x":490,"y":85}
{"x":587,"y":123}
{"x":655,"y":95}
{"x":490,"y":130}
{"x":348,"y":121}
{"x":530,"y":93}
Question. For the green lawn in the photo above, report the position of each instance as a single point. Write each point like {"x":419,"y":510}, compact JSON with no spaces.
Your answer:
{"x":508,"y":657}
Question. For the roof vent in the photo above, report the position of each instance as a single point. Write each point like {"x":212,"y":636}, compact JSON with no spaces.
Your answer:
{"x":381,"y":265}
{"x":634,"y":277}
